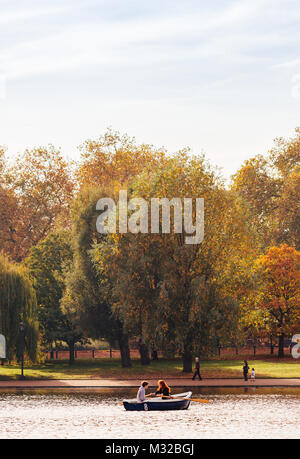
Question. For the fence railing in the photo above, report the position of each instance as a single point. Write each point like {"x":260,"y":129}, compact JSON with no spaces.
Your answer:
{"x":257,"y":350}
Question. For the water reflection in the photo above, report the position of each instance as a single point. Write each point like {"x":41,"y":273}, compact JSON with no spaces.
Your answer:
{"x":232,"y":413}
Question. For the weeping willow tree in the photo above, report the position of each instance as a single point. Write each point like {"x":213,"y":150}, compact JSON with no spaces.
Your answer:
{"x":17,"y":304}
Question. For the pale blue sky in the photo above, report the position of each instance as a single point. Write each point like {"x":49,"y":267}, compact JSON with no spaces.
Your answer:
{"x":218,"y":75}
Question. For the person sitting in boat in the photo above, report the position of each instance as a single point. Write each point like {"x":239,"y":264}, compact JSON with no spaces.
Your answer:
{"x":141,"y":395}
{"x":163,"y":389}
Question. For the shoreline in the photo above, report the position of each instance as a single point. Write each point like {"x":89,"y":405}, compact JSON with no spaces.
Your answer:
{"x":134,"y":383}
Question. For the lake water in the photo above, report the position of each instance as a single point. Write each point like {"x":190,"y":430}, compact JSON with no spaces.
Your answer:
{"x":231,"y":413}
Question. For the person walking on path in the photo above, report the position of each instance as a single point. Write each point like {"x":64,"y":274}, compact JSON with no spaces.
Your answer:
{"x":253,"y":375}
{"x":197,"y":369}
{"x":245,"y":370}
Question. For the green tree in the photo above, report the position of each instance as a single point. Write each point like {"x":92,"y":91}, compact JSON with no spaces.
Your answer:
{"x":48,"y":263}
{"x":17,"y":304}
{"x":86,"y":296}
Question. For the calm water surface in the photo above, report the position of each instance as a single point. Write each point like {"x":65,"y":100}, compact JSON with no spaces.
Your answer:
{"x":234,"y":413}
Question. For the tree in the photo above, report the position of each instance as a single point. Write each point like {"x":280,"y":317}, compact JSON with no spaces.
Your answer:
{"x":270,"y":186}
{"x":48,"y":262}
{"x":114,"y":159}
{"x":86,"y":295}
{"x":163,"y":289}
{"x":287,"y":217}
{"x":17,"y":304}
{"x":108,"y":164}
{"x":256,"y":184}
{"x":132,"y":277}
{"x":8,"y":212}
{"x":41,"y":182}
{"x":279,"y":290}
{"x":9,"y":217}
{"x":285,"y":155}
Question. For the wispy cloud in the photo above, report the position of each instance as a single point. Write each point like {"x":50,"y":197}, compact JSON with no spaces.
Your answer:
{"x":33,"y":11}
{"x":9,"y":17}
{"x":131,"y":42}
{"x":204,"y":66}
{"x":289,"y":64}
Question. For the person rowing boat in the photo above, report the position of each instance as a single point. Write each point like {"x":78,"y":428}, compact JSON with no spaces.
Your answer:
{"x":141,"y":395}
{"x":161,"y":402}
{"x":176,"y":402}
{"x":163,"y":390}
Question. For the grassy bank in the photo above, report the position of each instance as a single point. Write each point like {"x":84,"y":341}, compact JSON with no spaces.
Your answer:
{"x":111,"y":368}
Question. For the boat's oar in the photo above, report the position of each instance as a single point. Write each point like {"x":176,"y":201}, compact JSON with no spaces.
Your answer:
{"x":199,"y":400}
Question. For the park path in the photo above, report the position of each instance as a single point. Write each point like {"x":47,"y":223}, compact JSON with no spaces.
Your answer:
{"x":131,"y":383}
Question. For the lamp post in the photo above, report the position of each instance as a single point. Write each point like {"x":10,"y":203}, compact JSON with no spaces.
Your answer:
{"x":22,"y":338}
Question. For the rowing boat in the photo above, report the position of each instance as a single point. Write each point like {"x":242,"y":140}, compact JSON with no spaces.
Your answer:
{"x":177,"y":402}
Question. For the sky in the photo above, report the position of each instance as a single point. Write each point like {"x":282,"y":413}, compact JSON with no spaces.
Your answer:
{"x":220,"y":76}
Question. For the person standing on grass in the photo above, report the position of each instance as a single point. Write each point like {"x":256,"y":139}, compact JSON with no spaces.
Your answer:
{"x":245,"y":370}
{"x":253,"y":375}
{"x":197,"y":369}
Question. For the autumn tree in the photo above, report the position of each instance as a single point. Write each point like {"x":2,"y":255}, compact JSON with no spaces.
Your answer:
{"x":40,"y":181}
{"x":8,"y":212}
{"x":270,"y":186}
{"x":108,"y":164}
{"x":115,"y":159}
{"x":131,"y":269}
{"x":279,"y":290}
{"x":165,"y":289}
{"x":9,"y":218}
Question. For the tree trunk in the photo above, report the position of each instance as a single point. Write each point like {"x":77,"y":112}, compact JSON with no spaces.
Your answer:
{"x":281,"y":346}
{"x":187,"y":357}
{"x":154,"y":354}
{"x":144,"y":353}
{"x":51,"y":351}
{"x":71,"y":352}
{"x":272,"y":346}
{"x":124,"y":349}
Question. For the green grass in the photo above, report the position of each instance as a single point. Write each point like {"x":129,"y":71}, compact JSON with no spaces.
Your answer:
{"x":92,"y":368}
{"x":111,"y":368}
{"x":288,"y":368}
